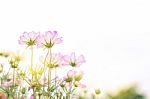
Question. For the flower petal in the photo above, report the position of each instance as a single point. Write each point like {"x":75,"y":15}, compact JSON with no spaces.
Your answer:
{"x":20,"y":42}
{"x":49,"y":34}
{"x":81,"y":59}
{"x":58,"y":40}
{"x":72,"y":57}
{"x":66,"y":58}
{"x":70,"y":73}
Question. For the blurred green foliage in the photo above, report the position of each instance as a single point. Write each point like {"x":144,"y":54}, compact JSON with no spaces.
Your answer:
{"x":127,"y":93}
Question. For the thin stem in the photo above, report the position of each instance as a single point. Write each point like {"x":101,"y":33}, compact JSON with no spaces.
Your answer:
{"x":45,"y":66}
{"x":49,"y":80}
{"x":34,"y":94}
{"x":13,"y":76}
{"x":32,"y":59}
{"x":49,"y":72}
{"x":69,"y":94}
{"x":55,"y":75}
{"x":13,"y":79}
{"x":26,"y":81}
{"x":32,"y":69}
{"x":55,"y":82}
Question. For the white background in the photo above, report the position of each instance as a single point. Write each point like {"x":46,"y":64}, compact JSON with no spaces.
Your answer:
{"x":114,"y":35}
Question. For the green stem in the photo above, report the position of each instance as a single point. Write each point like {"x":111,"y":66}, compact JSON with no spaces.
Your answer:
{"x":49,"y":73}
{"x":55,"y":75}
{"x":13,"y":76}
{"x":32,"y":60}
{"x":49,"y":81}
{"x":55,"y":83}
{"x":45,"y":66}
{"x":34,"y":94}
{"x":69,"y":93}
{"x":39,"y":96}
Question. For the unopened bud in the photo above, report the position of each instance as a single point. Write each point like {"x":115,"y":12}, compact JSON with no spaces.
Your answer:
{"x":23,"y":91}
{"x":97,"y":91}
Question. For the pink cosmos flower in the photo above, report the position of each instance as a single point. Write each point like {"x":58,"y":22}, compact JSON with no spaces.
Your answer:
{"x":73,"y":61}
{"x":49,"y":39}
{"x":55,"y":59}
{"x":28,"y":38}
{"x":73,"y":79}
{"x":69,"y":76}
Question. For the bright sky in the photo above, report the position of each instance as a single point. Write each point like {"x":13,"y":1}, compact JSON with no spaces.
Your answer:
{"x":114,"y":35}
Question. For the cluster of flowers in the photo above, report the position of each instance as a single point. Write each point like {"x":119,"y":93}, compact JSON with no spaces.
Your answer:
{"x":40,"y":83}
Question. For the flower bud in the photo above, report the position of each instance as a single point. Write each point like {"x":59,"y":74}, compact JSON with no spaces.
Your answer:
{"x":62,"y":85}
{"x":97,"y":91}
{"x":40,"y":92}
{"x":78,"y":76}
{"x":23,"y":91}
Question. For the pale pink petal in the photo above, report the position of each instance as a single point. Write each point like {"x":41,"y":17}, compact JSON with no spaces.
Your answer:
{"x":81,"y":85}
{"x":21,"y":42}
{"x":72,"y":57}
{"x":23,"y":38}
{"x":58,"y":40}
{"x":55,"y":34}
{"x":59,"y":57}
{"x":66,"y":59}
{"x":40,"y":40}
{"x":80,"y":59}
{"x":32,"y":35}
{"x":49,"y":34}
{"x":47,"y":39}
{"x":37,"y":34}
{"x":70,"y":73}
{"x":26,"y":35}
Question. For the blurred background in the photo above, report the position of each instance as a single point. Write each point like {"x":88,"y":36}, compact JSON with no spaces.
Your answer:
{"x":114,"y":36}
